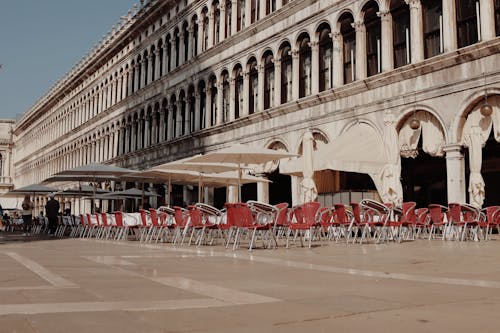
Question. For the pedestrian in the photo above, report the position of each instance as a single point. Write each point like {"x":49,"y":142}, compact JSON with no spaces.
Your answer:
{"x":27,"y":213}
{"x":51,"y":211}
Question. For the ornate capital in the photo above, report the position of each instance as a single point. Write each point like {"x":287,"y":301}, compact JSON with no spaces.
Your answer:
{"x":358,"y":25}
{"x":414,"y":4}
{"x":313,"y":44}
{"x":384,"y":15}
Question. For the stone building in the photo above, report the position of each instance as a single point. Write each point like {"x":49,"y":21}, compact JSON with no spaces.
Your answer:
{"x":6,"y":179}
{"x":175,"y":78}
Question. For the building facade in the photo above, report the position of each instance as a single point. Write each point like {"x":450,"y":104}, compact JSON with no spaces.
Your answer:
{"x":6,"y":145}
{"x":176,"y":78}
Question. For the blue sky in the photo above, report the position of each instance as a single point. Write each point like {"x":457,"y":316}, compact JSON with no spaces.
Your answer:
{"x":40,"y":40}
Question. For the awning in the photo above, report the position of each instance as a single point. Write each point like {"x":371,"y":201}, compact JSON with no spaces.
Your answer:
{"x":358,"y":149}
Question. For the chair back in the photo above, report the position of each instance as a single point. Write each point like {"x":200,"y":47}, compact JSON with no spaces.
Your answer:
{"x":282,"y":217}
{"x":144,"y":217}
{"x":306,"y":213}
{"x":455,"y":212}
{"x":356,"y":212}
{"x":493,"y":214}
{"x":239,"y":215}
{"x":153,"y":216}
{"x":119,"y":219}
{"x":196,"y":216}
{"x":181,"y":216}
{"x":409,"y":215}
{"x":421,"y":215}
{"x":341,"y":215}
{"x":436,"y":213}
{"x":104,"y":218}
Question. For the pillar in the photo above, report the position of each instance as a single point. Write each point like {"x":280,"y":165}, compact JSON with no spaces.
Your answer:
{"x":232,"y":97}
{"x":220,"y":101}
{"x":222,"y":21}
{"x":262,"y":190}
{"x":246,"y":92}
{"x":211,"y":29}
{"x":200,"y":35}
{"x":449,"y":26}
{"x":360,"y":50}
{"x":157,"y":64}
{"x":455,"y":171}
{"x":279,"y":4}
{"x":234,"y":17}
{"x":173,"y":54}
{"x":181,"y":47}
{"x":154,"y":129}
{"x":262,"y":9}
{"x":208,"y":107}
{"x":190,"y":42}
{"x":165,"y":59}
{"x":147,"y":134}
{"x":197,"y":113}
{"x":337,"y":57}
{"x":170,"y":124}
{"x":248,"y":13}
{"x":136,"y":76}
{"x":416,"y":31}
{"x":314,"y":67}
{"x":487,"y":13}
{"x":295,"y":74}
{"x":387,"y":42}
{"x":162,"y":126}
{"x":260,"y":88}
{"x":277,"y":81}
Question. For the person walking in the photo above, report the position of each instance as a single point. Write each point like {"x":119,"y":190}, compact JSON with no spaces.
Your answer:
{"x":27,"y":213}
{"x":51,"y":211}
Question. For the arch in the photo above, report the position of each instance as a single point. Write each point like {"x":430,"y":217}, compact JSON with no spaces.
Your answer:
{"x":407,"y":112}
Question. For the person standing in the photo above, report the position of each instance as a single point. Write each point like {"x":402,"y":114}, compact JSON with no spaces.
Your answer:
{"x":27,"y":213}
{"x":51,"y":211}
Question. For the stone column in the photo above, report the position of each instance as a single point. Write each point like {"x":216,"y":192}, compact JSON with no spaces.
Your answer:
{"x":197,"y":113}
{"x":416,"y":31}
{"x":147,"y":134}
{"x":162,"y":126}
{"x":260,"y":88}
{"x":136,"y":76}
{"x":248,"y":13}
{"x":119,"y":83}
{"x":222,"y":21}
{"x":106,"y":145}
{"x":208,"y":107}
{"x":314,"y":67}
{"x":211,"y":29}
{"x":295,"y":184}
{"x":277,"y":81}
{"x":134,"y":145}
{"x":187,"y":122}
{"x":295,"y":74}
{"x":173,"y":54}
{"x":262,"y":190}
{"x":337,"y":55}
{"x":262,"y":9}
{"x":387,"y":43}
{"x":220,"y":101}
{"x":181,"y":47}
{"x":279,"y":4}
{"x":246,"y":93}
{"x":190,"y":42}
{"x":145,"y":78}
{"x":154,"y":129}
{"x":360,"y":50}
{"x":130,"y":87}
{"x":139,"y":134}
{"x":455,"y":170}
{"x":234,"y":17}
{"x":232,"y":97}
{"x":115,"y":143}
{"x":157,"y":64}
{"x":165,"y":59}
{"x":449,"y":26}
{"x":487,"y":13}
{"x":200,"y":35}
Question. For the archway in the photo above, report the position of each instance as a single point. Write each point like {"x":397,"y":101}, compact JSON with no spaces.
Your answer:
{"x":423,"y":168}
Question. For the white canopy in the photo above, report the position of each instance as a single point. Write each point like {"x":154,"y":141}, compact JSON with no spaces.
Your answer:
{"x":358,"y":149}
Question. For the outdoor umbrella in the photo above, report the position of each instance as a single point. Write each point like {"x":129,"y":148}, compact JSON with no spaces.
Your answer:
{"x":31,"y":189}
{"x":94,"y":172}
{"x":201,"y":168}
{"x":241,"y":155}
{"x":392,"y":190}
{"x":472,"y":140}
{"x":309,"y":191}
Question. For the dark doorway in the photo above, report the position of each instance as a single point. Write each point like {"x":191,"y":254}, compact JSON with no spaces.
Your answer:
{"x":280,"y":190}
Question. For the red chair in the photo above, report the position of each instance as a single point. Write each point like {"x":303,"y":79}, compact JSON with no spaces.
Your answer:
{"x":422,"y":225}
{"x":181,"y":216}
{"x":377,"y":221}
{"x":408,"y":221}
{"x":463,"y":220}
{"x":438,"y":219}
{"x":282,"y":221}
{"x":241,"y":218}
{"x":490,"y":218}
{"x":122,"y":230}
{"x":342,"y":221}
{"x":305,"y":216}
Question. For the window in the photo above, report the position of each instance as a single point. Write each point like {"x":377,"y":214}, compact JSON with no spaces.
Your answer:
{"x":497,"y":17}
{"x":253,"y":81}
{"x":349,"y":46}
{"x":268,"y":80}
{"x":373,"y":33}
{"x":401,"y":33}
{"x":467,"y":33}
{"x":325,"y":58}
{"x":286,"y":74}
{"x":432,"y":19}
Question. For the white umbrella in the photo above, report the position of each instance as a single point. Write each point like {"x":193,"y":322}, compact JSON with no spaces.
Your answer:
{"x":392,"y":191}
{"x":309,"y":191}
{"x":242,"y":154}
{"x":476,"y":183}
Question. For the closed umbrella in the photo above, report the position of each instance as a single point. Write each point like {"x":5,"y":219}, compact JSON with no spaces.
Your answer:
{"x":309,"y":191}
{"x":392,"y":190}
{"x":476,"y":183}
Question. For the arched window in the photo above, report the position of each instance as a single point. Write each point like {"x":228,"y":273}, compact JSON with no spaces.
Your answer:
{"x":177,"y":47}
{"x":164,"y":107}
{"x":160,"y":57}
{"x":205,"y":28}
{"x":286,"y":72}
{"x":213,"y":100}
{"x":268,"y":80}
{"x":153,"y":63}
{"x":241,"y":15}
{"x":157,"y":135}
{"x":225,"y":96}
{"x":185,"y":41}
{"x":467,"y":32}
{"x":400,"y":13}
{"x":325,"y":57}
{"x":203,"y":103}
{"x":373,"y":39}
{"x":139,"y":72}
{"x":349,"y":46}
{"x":304,"y":65}
{"x":270,"y":6}
{"x":173,"y":109}
{"x":253,"y":93}
{"x":169,"y":53}
{"x":182,"y":116}
{"x":216,"y":30}
{"x":192,"y":106}
{"x":146,"y":65}
{"x":194,"y":24}
{"x":238,"y":98}
{"x":432,"y":12}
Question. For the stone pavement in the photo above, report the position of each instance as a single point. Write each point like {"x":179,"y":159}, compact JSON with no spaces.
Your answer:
{"x":73,"y":285}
